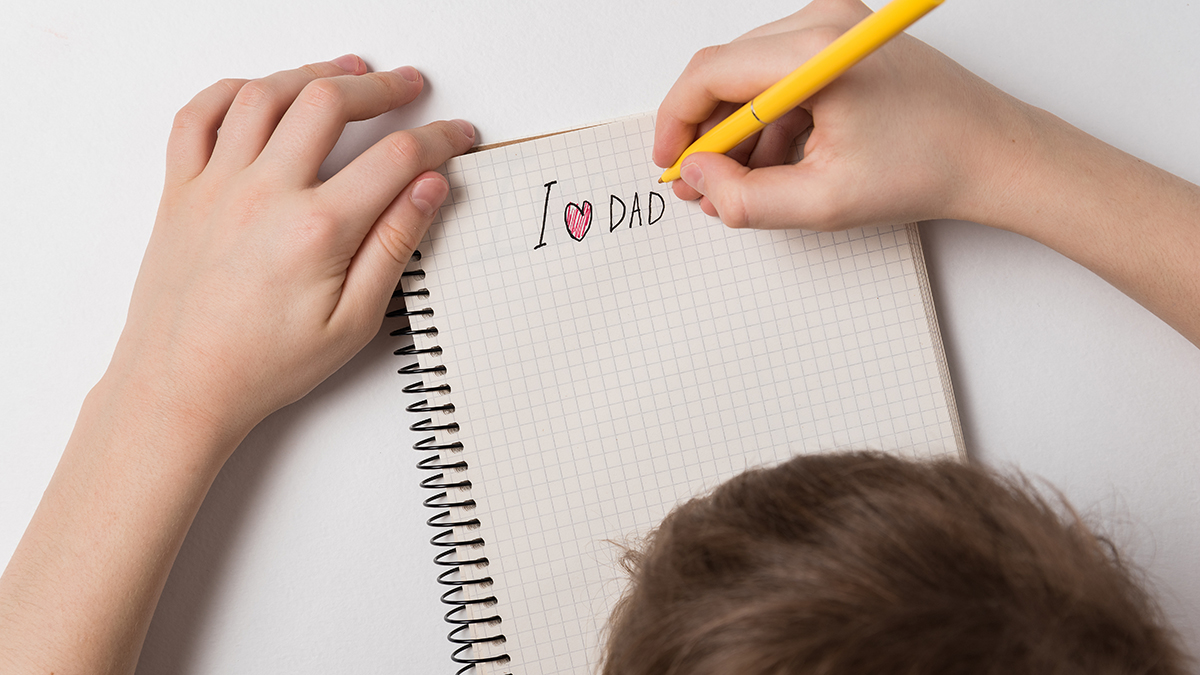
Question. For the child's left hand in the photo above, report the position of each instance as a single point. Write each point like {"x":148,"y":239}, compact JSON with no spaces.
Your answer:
{"x":259,"y":280}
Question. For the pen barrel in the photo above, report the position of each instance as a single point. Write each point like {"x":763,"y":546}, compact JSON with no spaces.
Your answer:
{"x":722,"y":138}
{"x":853,"y":46}
{"x":728,"y":133}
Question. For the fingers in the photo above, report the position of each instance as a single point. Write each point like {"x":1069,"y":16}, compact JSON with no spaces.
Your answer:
{"x":259,"y":105}
{"x":313,"y":124}
{"x":385,"y":250}
{"x":741,"y":152}
{"x":737,"y":72}
{"x":392,"y":224}
{"x":362,"y":190}
{"x":794,"y":195}
{"x":194,"y":131}
{"x":775,"y":140}
{"x":771,"y":146}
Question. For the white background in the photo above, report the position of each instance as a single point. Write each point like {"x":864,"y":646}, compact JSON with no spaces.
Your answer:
{"x":309,"y":554}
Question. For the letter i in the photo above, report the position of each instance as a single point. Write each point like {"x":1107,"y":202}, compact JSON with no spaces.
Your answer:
{"x":545,"y":208}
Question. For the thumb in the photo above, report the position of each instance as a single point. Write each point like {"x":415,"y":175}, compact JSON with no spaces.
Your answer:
{"x":384,"y":252}
{"x":773,"y":197}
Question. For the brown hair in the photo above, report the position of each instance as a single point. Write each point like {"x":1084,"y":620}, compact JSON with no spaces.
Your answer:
{"x":867,"y":564}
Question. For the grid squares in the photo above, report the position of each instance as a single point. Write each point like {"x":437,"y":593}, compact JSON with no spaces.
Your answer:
{"x":600,"y":382}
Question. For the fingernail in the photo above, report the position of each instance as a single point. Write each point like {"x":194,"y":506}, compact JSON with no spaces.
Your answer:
{"x":429,"y":194}
{"x":348,"y":63}
{"x":693,"y":176}
{"x":408,"y":72}
{"x":466,"y":127}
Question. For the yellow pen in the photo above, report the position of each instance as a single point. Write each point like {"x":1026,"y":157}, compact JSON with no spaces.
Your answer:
{"x":853,"y":46}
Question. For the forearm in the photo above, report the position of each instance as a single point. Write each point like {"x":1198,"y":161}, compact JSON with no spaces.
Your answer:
{"x":1131,"y":223}
{"x":80,"y":589}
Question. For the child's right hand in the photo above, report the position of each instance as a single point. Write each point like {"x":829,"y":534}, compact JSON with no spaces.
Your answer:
{"x":908,"y":135}
{"x":905,"y":135}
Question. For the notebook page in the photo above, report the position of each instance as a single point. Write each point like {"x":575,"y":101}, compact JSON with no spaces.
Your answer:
{"x":612,"y":351}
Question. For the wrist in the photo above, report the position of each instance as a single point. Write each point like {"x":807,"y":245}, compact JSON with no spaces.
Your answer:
{"x":185,"y":384}
{"x":1002,"y":162}
{"x":142,"y":415}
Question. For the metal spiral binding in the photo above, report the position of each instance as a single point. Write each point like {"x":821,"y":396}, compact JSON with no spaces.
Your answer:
{"x":440,"y":463}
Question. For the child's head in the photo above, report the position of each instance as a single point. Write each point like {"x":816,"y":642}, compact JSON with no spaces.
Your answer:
{"x":863,"y":563}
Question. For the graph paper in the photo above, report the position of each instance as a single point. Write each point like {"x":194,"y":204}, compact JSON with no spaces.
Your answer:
{"x":611,"y":351}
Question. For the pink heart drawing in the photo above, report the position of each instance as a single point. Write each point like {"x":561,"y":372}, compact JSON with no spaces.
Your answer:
{"x":578,"y":219}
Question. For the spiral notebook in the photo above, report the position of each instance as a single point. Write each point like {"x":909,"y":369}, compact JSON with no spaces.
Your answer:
{"x":590,"y":351}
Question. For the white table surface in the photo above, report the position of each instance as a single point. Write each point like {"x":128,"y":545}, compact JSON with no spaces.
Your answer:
{"x":309,"y":555}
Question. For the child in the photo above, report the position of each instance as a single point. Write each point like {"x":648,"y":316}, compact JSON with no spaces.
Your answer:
{"x":258,"y":281}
